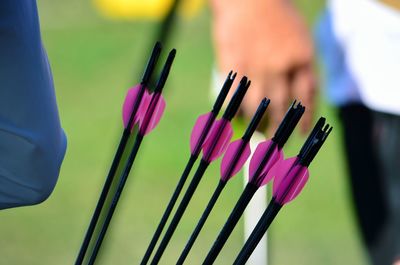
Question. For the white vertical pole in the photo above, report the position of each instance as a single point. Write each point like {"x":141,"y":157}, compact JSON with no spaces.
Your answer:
{"x":254,"y":211}
{"x":259,"y":202}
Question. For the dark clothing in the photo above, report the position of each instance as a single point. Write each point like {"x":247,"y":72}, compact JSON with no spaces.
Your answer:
{"x":372,"y":147}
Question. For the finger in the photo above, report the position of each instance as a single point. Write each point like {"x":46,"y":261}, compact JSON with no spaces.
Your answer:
{"x":262,"y":85}
{"x":279,"y":100}
{"x":277,"y":89}
{"x":304,"y":89}
{"x":253,"y":97}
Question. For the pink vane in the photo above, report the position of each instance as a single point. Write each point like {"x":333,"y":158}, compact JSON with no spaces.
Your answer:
{"x":155,"y":116}
{"x":202,"y":123}
{"x":130,"y":100}
{"x":263,"y":177}
{"x":230,"y":157}
{"x":239,"y":151}
{"x":290,"y":178}
{"x":217,"y":140}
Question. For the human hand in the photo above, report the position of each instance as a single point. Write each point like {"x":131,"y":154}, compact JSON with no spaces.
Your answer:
{"x":268,"y":41}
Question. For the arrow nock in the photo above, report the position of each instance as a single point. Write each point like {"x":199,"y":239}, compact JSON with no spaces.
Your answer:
{"x":237,"y":98}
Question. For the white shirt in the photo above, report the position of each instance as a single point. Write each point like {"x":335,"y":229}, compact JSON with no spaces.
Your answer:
{"x":369,"y":33}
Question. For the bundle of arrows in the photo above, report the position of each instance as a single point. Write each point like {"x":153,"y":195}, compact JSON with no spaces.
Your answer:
{"x":210,"y":137}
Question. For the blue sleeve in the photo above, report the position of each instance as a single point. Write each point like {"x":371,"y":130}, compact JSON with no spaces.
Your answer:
{"x":32,"y":143}
{"x":340,"y":86}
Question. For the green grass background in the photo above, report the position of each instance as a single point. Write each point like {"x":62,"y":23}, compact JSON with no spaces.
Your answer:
{"x":94,"y":61}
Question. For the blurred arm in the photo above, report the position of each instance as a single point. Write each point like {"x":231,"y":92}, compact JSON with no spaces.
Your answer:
{"x":32,"y":143}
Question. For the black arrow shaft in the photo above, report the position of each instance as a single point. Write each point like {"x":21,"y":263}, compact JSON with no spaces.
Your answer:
{"x":202,"y":221}
{"x":109,"y":179}
{"x":195,"y":153}
{"x":230,"y":224}
{"x":118,"y":155}
{"x":178,"y":189}
{"x":103,"y":197}
{"x":258,"y":232}
{"x":180,"y":211}
{"x":168,"y":210}
{"x":116,"y":198}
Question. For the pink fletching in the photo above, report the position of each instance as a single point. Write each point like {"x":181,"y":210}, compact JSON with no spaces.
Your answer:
{"x":276,"y":158}
{"x":289,"y":180}
{"x":129,"y":102}
{"x":213,"y":148}
{"x":263,"y":177}
{"x":228,"y":169}
{"x":197,"y":131}
{"x":156,"y":116}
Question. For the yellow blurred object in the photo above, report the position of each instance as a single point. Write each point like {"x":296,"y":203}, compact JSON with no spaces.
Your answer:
{"x":148,"y":9}
{"x":190,"y":8}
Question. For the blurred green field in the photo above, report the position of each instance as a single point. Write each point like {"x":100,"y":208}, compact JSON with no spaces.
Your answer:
{"x":94,"y":61}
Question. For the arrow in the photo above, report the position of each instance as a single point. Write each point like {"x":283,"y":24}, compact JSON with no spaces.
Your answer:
{"x":235,"y":157}
{"x":215,"y":145}
{"x":269,"y":152}
{"x":198,"y":137}
{"x":266,"y":155}
{"x":131,"y":117}
{"x":290,"y":177}
{"x":146,"y":124}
